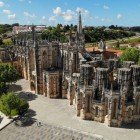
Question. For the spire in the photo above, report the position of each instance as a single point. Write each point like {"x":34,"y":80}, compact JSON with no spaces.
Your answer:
{"x":80,"y":23}
{"x":33,"y":32}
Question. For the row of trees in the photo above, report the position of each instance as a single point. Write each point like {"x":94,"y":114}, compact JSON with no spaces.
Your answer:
{"x":7,"y":27}
{"x":92,"y":34}
{"x":10,"y":104}
{"x":99,"y":33}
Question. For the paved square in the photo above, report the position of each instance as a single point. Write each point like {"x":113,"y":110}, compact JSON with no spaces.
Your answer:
{"x":58,"y":112}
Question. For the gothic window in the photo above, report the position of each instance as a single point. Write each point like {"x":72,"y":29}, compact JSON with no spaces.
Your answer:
{"x":44,"y":60}
{"x":129,"y":112}
{"x":88,"y":103}
{"x":106,"y":106}
{"x":138,"y":106}
{"x":114,"y":109}
{"x":32,"y":60}
{"x":75,"y":62}
{"x":96,"y":111}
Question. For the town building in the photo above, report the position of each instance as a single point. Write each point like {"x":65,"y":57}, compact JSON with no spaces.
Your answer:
{"x":26,"y":29}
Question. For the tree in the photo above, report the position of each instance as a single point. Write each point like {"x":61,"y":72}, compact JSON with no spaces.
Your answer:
{"x":131,"y":54}
{"x":8,"y":42}
{"x":8,"y":75}
{"x":118,"y":45}
{"x":23,"y":107}
{"x":15,"y":24}
{"x":9,"y":102}
{"x":1,"y":41}
{"x":139,"y":61}
{"x":11,"y":105}
{"x":3,"y":88}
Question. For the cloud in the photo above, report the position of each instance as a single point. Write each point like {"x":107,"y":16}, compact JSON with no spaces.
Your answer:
{"x":96,"y":17}
{"x":29,"y":15}
{"x":6,"y":11}
{"x":84,"y":11}
{"x":68,"y":15}
{"x":106,"y":20}
{"x":43,"y":17}
{"x":119,"y":16}
{"x":57,"y":11}
{"x":12,"y":16}
{"x":1,"y":3}
{"x":106,"y":7}
{"x":52,"y":18}
{"x":29,"y":1}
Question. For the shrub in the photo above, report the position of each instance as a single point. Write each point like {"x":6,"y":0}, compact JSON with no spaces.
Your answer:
{"x":23,"y":108}
{"x":14,"y":112}
{"x":11,"y":105}
{"x":3,"y":88}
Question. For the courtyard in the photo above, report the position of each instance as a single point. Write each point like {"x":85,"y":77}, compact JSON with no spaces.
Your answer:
{"x":58,"y":115}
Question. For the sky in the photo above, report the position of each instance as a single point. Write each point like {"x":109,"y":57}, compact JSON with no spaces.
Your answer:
{"x":52,"y":12}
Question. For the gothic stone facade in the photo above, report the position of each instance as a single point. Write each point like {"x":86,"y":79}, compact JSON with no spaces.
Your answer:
{"x":101,"y":90}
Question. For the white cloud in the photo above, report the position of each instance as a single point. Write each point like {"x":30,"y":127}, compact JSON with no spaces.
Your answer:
{"x":43,"y":17}
{"x":6,"y":11}
{"x":52,"y":18}
{"x":1,"y":3}
{"x":106,"y":7}
{"x":68,"y":15}
{"x":29,"y":15}
{"x":119,"y":16}
{"x":106,"y":20}
{"x":11,"y":17}
{"x":57,"y":11}
{"x":84,"y":11}
{"x":96,"y":17}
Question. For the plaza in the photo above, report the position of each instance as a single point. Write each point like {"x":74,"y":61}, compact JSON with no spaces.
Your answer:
{"x":58,"y":114}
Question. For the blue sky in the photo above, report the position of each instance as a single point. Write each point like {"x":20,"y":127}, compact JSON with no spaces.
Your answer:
{"x":51,"y":12}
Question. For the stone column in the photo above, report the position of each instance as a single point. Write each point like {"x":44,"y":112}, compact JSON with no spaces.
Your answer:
{"x":79,"y":102}
{"x":64,"y":89}
{"x":83,"y":110}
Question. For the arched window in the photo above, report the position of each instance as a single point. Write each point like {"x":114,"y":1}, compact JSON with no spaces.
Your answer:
{"x":96,"y":111}
{"x":106,"y":106}
{"x":44,"y":60}
{"x":130,"y":112}
{"x":88,"y":103}
{"x":114,"y":109}
{"x":32,"y":60}
{"x":138,"y":105}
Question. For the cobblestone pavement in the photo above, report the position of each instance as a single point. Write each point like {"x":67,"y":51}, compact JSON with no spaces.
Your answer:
{"x":44,"y":132}
{"x":58,"y":112}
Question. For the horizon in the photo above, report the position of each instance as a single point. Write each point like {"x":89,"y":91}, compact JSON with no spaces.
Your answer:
{"x":51,"y":13}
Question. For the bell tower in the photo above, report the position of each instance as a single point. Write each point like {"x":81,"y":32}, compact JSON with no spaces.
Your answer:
{"x":80,"y":35}
{"x":79,"y":29}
